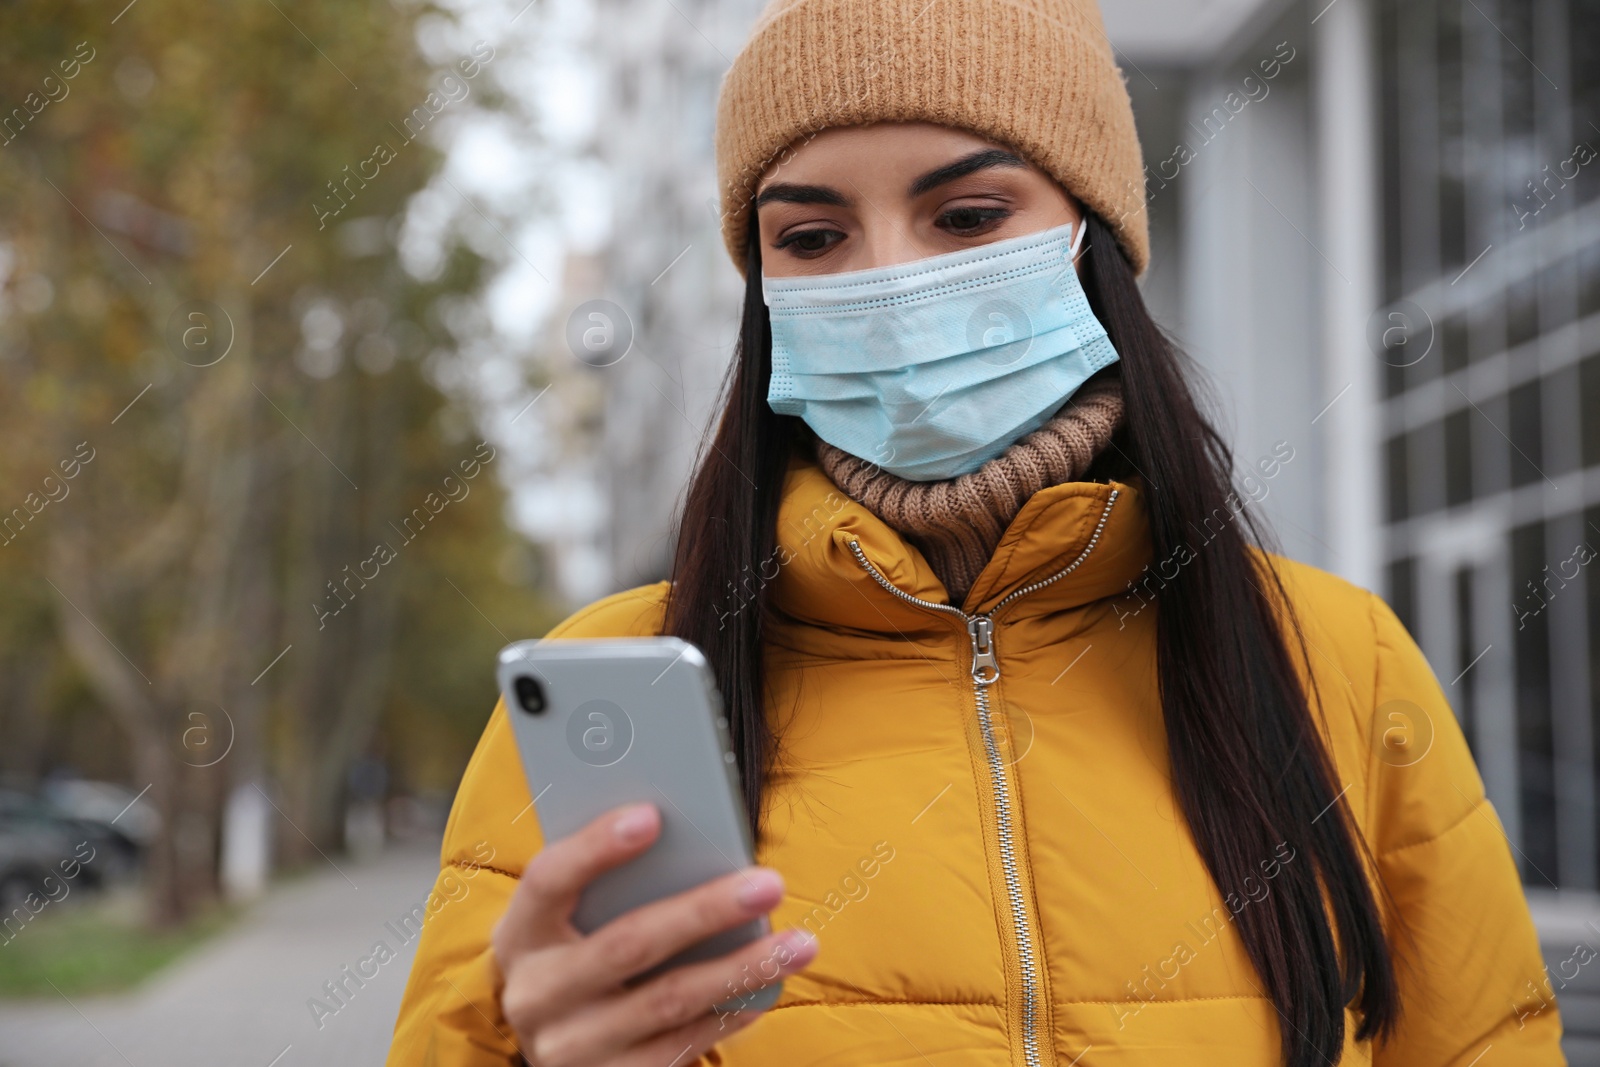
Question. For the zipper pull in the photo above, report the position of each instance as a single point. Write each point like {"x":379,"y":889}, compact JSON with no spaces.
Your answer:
{"x":985,"y":668}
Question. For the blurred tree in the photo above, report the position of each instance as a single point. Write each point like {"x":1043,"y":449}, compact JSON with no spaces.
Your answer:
{"x":231,"y":499}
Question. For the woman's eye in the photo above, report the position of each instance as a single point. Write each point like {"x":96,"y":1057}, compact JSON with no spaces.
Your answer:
{"x":809,"y":243}
{"x":970,"y":221}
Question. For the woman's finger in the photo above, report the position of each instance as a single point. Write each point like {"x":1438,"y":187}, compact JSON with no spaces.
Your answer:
{"x":716,"y":988}
{"x":550,"y":884}
{"x":683,"y":1046}
{"x":574,"y":973}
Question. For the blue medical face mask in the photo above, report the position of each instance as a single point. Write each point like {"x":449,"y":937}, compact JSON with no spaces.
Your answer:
{"x":931,"y":368}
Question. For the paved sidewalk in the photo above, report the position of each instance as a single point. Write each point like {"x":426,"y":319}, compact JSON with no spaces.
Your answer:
{"x":1569,"y":928}
{"x":241,"y":1000}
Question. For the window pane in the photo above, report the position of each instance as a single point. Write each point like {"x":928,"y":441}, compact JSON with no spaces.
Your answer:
{"x":1466,"y":652}
{"x":1526,"y":422}
{"x":1452,"y":164}
{"x":1591,"y":581}
{"x":1452,"y":342}
{"x":1589,"y":278}
{"x":1403,"y":591}
{"x":1556,"y":294}
{"x":1522,"y":312}
{"x":1399,"y":483}
{"x":1583,"y":36}
{"x":1457,"y":458}
{"x":1490,"y":454}
{"x":1512,"y":35}
{"x":1589,"y":411}
{"x":1488,"y":336}
{"x":1425,"y":369}
{"x":1535,"y":762}
{"x":1427,"y":457}
{"x":1394,"y":379}
{"x":1562,"y":455}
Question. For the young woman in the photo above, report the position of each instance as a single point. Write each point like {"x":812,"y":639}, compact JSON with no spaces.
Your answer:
{"x":1049,"y":763}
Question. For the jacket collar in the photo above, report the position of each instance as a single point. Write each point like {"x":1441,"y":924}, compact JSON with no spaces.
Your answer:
{"x":817,"y":578}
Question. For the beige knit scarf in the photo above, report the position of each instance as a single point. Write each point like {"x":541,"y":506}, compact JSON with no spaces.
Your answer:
{"x":957,"y":522}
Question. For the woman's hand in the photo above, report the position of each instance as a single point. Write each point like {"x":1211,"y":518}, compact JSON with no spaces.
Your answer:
{"x":564,"y":993}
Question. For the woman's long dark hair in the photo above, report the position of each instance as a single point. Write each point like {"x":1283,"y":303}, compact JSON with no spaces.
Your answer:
{"x":1248,"y":763}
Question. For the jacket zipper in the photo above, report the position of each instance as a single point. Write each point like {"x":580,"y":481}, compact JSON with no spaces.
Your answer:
{"x":985,"y":672}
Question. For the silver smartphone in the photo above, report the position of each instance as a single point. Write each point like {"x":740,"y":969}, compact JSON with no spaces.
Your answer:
{"x":601,"y":723}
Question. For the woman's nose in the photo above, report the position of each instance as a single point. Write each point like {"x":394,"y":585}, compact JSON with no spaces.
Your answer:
{"x":887,"y":241}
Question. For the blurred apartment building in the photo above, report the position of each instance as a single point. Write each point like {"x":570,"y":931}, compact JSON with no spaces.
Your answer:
{"x":1376,"y":226}
{"x":1388,"y":255}
{"x":664,"y":268}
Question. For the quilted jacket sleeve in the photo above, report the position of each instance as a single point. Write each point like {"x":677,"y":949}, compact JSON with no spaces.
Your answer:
{"x":1468,"y":957}
{"x":450,"y":1014}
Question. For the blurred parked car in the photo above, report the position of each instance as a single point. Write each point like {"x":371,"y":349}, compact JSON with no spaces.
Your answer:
{"x":30,"y":849}
{"x":105,"y":804}
{"x":31,"y":821}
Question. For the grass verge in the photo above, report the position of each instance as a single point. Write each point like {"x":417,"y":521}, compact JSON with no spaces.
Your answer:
{"x":93,"y":950}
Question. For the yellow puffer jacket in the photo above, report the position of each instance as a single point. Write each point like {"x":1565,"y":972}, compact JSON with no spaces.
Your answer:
{"x":963,"y":860}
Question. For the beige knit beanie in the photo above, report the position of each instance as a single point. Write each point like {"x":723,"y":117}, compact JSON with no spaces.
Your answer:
{"x":1037,"y":75}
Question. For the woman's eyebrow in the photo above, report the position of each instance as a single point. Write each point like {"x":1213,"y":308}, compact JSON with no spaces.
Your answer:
{"x":982,"y":159}
{"x":792,"y":193}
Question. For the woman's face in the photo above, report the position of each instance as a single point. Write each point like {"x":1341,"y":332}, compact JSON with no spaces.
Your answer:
{"x":858,"y":197}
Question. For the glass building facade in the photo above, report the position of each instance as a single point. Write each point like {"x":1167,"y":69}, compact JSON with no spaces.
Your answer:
{"x":1490,"y":126}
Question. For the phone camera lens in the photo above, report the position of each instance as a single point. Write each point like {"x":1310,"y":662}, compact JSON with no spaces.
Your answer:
{"x":530,"y":694}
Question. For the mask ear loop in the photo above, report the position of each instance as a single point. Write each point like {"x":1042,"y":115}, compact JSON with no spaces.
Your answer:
{"x":1077,"y":239}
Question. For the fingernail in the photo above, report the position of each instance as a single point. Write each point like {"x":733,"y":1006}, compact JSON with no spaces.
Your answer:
{"x":802,"y":943}
{"x":761,"y":888}
{"x":635,"y":823}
